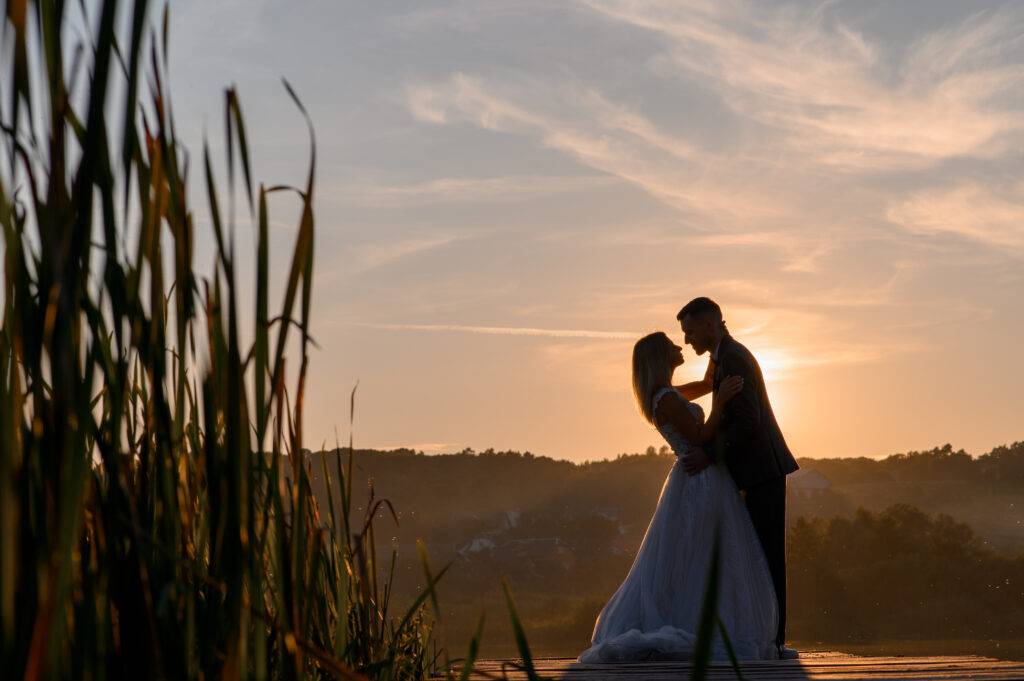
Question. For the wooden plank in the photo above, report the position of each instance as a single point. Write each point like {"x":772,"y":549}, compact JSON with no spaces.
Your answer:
{"x":846,"y":675}
{"x":805,"y":657}
{"x":872,"y":675}
{"x":808,"y":659}
{"x":828,"y":666}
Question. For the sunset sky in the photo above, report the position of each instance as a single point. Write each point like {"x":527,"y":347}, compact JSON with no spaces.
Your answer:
{"x":510,"y":193}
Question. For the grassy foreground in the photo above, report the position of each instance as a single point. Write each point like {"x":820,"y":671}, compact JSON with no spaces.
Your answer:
{"x":148,"y":525}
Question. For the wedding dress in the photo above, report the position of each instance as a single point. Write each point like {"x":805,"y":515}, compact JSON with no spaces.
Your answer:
{"x":654,"y":614}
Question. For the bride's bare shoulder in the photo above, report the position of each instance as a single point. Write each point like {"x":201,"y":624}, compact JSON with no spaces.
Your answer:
{"x":670,"y":407}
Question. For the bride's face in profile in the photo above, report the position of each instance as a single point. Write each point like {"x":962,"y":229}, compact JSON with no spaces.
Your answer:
{"x":675,"y":354}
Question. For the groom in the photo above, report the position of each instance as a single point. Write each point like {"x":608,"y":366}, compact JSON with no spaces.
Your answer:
{"x":748,"y":442}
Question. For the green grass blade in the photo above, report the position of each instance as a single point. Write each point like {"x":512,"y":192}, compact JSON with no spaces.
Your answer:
{"x":237,"y":122}
{"x":474,"y":650}
{"x":421,"y":548}
{"x":729,"y":649}
{"x":708,"y":615}
{"x":519,"y":632}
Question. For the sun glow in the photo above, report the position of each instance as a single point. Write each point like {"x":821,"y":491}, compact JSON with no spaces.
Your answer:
{"x":777,"y":368}
{"x":776,"y":364}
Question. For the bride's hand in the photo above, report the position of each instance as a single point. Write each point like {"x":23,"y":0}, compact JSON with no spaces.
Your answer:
{"x":730,"y":388}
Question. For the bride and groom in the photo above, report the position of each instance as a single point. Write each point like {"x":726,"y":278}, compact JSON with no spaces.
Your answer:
{"x":729,"y":477}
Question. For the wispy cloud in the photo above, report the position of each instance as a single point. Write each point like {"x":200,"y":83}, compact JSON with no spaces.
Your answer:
{"x":796,"y":68}
{"x":790,"y":328}
{"x":602,"y":135}
{"x":969,"y":210}
{"x":425,"y":447}
{"x":799,"y":251}
{"x":789,"y":341}
{"x":465,"y":15}
{"x":834,"y":99}
{"x":474,"y":190}
{"x":504,"y":330}
{"x":370,"y":255}
{"x":766,"y":294}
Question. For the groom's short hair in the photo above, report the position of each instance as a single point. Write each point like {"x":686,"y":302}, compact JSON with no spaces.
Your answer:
{"x":700,"y":307}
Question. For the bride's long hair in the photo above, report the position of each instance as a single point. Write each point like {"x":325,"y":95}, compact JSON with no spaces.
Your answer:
{"x":651,"y":371}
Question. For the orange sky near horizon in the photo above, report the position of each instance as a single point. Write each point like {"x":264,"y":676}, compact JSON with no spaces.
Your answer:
{"x":510,"y":193}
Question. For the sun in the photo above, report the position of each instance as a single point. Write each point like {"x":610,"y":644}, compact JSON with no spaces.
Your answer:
{"x":776,"y":364}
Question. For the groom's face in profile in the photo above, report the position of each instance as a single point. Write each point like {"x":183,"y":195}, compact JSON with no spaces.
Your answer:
{"x":699,"y":332}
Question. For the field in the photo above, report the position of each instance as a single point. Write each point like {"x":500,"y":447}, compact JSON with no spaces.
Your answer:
{"x":564,"y":536}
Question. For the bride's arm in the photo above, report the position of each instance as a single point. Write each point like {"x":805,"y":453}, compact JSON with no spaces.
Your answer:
{"x":676,"y":413}
{"x":695,"y":389}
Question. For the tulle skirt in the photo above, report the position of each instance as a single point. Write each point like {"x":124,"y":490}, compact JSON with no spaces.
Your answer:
{"x":654,"y":614}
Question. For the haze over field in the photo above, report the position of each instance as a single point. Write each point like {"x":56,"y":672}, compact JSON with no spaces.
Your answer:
{"x":922,"y":547}
{"x":511,"y":192}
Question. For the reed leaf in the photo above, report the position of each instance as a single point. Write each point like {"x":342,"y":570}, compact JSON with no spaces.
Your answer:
{"x":708,"y":614}
{"x":157,"y":518}
{"x":474,"y":650}
{"x":729,"y":649}
{"x":519,"y":632}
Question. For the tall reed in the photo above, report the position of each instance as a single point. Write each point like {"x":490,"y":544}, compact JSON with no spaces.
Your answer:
{"x":156,"y":514}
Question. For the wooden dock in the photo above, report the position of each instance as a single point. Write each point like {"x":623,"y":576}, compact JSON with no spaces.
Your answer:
{"x":810,"y":666}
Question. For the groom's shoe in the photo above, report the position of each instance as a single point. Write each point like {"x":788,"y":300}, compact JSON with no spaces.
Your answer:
{"x":787,"y":653}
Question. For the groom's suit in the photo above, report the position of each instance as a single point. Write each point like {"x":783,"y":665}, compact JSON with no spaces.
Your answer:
{"x":752,"y":448}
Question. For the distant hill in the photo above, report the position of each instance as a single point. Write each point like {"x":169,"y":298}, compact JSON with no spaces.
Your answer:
{"x":565,"y":534}
{"x":449,"y":499}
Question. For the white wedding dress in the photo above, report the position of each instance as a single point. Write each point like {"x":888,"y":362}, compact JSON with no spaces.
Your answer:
{"x":654,"y":614}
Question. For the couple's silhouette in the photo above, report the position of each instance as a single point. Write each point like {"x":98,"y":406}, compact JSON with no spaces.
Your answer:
{"x":729,"y":479}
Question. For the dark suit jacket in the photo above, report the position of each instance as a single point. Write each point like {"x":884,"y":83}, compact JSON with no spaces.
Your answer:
{"x":748,"y":441}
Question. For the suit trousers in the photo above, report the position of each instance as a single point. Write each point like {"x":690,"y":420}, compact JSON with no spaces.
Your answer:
{"x":766,"y":503}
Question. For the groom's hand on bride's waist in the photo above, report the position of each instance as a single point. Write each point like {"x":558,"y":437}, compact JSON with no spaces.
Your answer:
{"x":695,"y":460}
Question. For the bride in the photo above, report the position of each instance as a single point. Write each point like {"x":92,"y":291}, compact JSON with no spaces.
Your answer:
{"x":654,"y":614}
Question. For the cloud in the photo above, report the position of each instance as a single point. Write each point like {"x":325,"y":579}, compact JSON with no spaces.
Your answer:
{"x":504,"y":330}
{"x":823,"y":97}
{"x":790,"y":327}
{"x":798,"y":251}
{"x":425,"y":447}
{"x":789,"y":340}
{"x":969,"y":210}
{"x":471,"y":190}
{"x":786,"y":344}
{"x":602,"y":135}
{"x":466,"y":16}
{"x":367,"y":256}
{"x":773,"y":295}
{"x":799,"y":70}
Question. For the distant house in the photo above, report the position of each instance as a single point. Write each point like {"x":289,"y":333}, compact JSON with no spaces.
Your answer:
{"x":538,"y":554}
{"x":807,"y":482}
{"x":535,"y":543}
{"x":511,"y":518}
{"x":477,"y":545}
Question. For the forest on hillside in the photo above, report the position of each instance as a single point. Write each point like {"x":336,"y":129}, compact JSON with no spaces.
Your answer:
{"x":919,"y":546}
